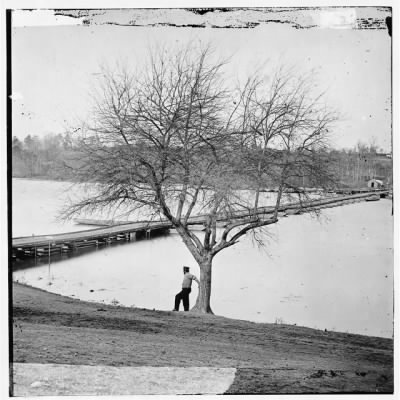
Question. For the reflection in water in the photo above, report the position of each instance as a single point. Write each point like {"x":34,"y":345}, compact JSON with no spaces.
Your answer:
{"x":334,"y":274}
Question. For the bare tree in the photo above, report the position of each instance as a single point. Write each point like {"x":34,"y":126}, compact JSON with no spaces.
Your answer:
{"x":176,"y":140}
{"x":288,"y":131}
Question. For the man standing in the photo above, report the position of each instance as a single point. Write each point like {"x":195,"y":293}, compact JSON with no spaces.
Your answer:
{"x":186,"y":289}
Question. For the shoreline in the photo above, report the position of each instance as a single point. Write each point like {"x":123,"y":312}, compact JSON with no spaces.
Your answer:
{"x":269,"y":358}
{"x":126,"y":307}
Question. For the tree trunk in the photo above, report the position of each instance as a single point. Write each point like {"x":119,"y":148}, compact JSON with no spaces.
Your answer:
{"x":203,"y":299}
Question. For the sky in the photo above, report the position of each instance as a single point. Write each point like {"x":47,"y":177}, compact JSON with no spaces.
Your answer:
{"x":56,"y":63}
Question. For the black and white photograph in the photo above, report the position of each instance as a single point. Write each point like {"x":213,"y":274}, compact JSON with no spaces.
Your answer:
{"x":200,"y":200}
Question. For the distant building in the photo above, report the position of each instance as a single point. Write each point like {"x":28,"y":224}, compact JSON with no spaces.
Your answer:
{"x":375,"y":183}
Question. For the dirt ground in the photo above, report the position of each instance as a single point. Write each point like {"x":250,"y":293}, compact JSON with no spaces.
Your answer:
{"x":269,"y":358}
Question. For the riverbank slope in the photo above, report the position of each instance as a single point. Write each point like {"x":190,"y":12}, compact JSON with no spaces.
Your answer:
{"x":269,"y":358}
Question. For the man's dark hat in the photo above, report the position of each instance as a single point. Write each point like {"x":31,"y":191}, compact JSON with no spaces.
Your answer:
{"x":185,"y":269}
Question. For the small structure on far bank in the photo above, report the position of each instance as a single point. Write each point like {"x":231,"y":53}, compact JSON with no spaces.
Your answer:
{"x":375,"y":183}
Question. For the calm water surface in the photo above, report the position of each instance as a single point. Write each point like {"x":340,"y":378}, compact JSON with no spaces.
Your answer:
{"x":334,"y":273}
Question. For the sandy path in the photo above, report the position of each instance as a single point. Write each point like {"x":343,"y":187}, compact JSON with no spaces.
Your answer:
{"x":62,"y":379}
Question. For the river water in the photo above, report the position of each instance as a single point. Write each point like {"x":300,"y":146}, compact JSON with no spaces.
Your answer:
{"x":334,"y":273}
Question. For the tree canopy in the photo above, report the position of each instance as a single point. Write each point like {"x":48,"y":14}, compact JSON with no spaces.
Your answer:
{"x":176,"y":139}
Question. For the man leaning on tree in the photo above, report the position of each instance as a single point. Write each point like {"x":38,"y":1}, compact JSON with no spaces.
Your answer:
{"x":186,"y":289}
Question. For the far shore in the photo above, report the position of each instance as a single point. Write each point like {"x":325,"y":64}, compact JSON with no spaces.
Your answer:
{"x":42,"y":179}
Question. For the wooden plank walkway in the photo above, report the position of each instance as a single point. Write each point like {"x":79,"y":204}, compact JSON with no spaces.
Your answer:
{"x":100,"y":236}
{"x":91,"y":234}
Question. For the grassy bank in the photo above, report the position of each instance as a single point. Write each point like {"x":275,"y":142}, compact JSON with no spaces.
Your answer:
{"x":48,"y":328}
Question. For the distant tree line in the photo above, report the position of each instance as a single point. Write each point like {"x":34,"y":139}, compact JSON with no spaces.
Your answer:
{"x":49,"y":157}
{"x":53,"y":156}
{"x":364,"y":162}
